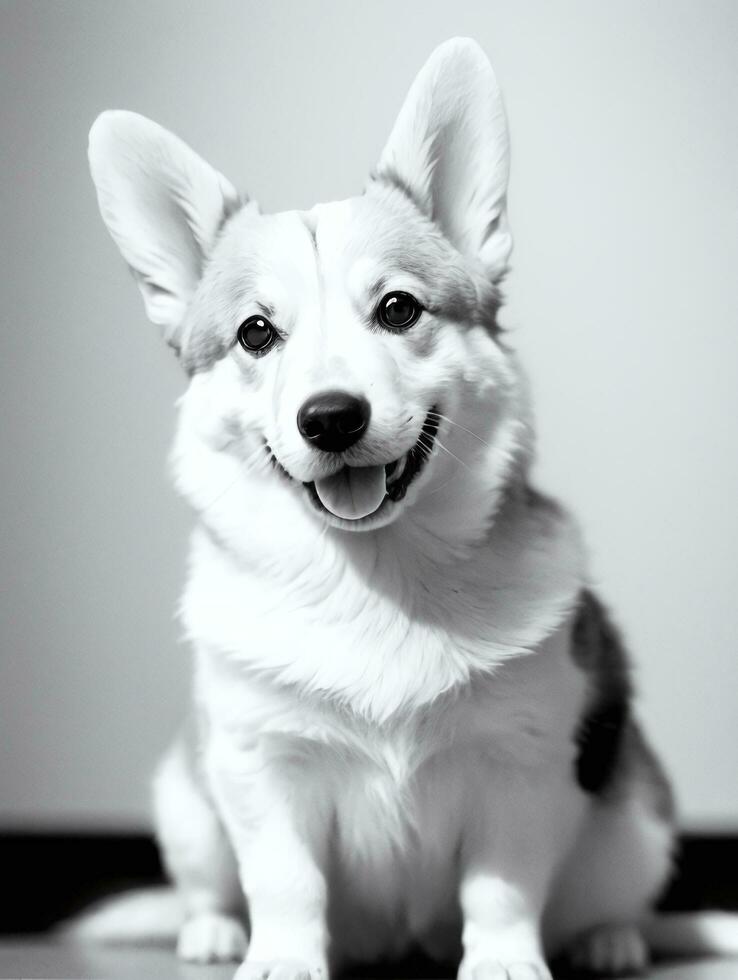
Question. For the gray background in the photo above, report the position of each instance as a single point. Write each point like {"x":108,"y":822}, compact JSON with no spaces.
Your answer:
{"x":622,"y":301}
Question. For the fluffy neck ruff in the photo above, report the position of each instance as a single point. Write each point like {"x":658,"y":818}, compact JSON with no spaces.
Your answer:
{"x":376,"y":623}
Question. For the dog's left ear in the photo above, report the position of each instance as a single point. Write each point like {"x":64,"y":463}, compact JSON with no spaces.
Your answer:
{"x":449,"y":151}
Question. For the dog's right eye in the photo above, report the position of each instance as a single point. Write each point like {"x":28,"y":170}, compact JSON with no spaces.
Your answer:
{"x":256,"y":335}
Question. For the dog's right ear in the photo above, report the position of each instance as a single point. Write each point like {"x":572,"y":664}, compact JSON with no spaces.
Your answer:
{"x":163,"y":205}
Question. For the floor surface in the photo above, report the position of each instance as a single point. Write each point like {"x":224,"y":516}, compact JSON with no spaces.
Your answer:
{"x":39,"y":959}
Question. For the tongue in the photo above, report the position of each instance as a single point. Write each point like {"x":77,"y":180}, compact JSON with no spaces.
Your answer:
{"x":354,"y":492}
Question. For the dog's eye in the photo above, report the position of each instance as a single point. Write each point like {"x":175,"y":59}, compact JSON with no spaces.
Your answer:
{"x":256,"y":335}
{"x":398,"y":311}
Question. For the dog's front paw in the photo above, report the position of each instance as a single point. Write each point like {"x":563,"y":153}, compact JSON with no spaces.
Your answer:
{"x":281,"y":970}
{"x":615,"y":950}
{"x":495,"y":969}
{"x":212,"y":938}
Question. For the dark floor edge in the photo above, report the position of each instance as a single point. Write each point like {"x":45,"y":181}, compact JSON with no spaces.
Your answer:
{"x":51,"y":876}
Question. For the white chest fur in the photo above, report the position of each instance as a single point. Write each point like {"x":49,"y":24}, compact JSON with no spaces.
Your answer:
{"x":397,"y":792}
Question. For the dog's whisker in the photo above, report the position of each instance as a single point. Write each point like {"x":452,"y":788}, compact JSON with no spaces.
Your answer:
{"x":453,"y":455}
{"x":256,"y":455}
{"x":458,"y":425}
{"x":423,"y":447}
{"x":426,"y":441}
{"x":222,"y":494}
{"x":257,"y":462}
{"x":441,"y":487}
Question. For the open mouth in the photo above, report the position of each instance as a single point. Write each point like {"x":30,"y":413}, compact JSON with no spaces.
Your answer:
{"x":356,"y":492}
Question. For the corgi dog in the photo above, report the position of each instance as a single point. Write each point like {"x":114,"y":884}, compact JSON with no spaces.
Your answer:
{"x":411,"y":721}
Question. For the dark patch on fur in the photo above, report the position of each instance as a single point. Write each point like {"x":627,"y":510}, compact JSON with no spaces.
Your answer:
{"x":202,"y":356}
{"x":489,"y":304}
{"x":596,"y":647}
{"x":540,"y":501}
{"x":599,"y":738}
{"x":614,"y":759}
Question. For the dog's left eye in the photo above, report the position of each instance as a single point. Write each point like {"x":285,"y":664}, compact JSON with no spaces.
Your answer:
{"x":398,"y":310}
{"x":256,"y":335}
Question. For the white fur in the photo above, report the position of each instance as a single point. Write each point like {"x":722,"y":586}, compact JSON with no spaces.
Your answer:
{"x":386,"y":709}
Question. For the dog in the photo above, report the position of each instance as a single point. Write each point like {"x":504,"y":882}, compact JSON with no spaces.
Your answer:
{"x":412,"y":721}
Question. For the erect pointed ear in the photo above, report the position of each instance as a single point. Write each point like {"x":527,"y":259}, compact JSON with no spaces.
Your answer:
{"x":449,"y":151}
{"x":162,"y":204}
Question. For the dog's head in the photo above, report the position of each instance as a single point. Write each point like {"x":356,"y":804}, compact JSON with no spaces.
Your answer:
{"x":350,"y":351}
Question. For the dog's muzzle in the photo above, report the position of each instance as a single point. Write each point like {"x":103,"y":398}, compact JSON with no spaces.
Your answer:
{"x":356,"y":492}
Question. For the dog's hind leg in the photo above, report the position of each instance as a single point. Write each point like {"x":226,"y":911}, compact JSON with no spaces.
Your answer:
{"x":604,"y":893}
{"x":199,"y":859}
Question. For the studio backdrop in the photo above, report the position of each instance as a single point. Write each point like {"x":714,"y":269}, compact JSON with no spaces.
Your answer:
{"x":622,"y":302}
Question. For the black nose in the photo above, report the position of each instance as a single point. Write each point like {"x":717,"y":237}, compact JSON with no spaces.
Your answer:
{"x":333,"y":420}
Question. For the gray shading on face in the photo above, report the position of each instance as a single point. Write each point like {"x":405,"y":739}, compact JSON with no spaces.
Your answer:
{"x":277,"y":265}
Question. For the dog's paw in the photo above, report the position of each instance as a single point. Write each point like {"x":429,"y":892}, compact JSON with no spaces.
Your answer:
{"x":281,"y":970}
{"x":492,"y":969}
{"x":212,"y":938}
{"x":616,"y":950}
